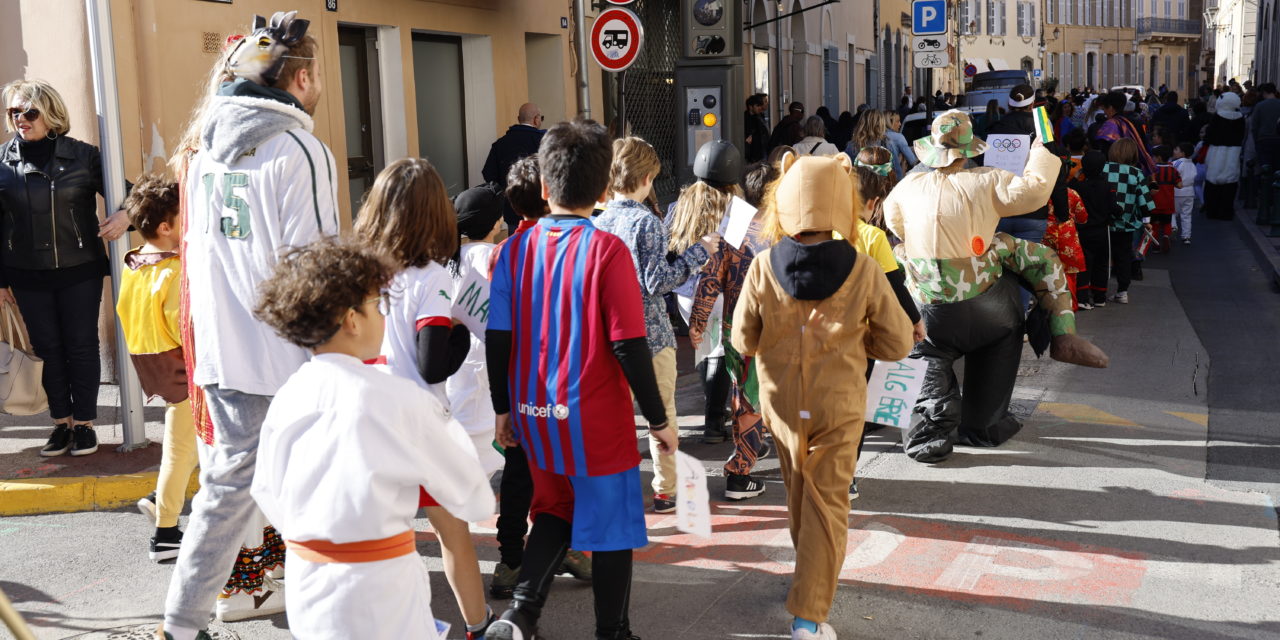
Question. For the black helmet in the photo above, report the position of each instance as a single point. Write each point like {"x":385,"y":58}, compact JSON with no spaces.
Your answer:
{"x":718,"y":163}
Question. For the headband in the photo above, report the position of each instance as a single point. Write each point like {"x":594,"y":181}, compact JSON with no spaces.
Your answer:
{"x":1021,"y":103}
{"x":880,"y":169}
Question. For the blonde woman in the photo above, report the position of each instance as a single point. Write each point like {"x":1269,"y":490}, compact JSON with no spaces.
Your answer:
{"x":635,"y":165}
{"x":903,"y":157}
{"x":53,"y":270}
{"x":699,"y":210}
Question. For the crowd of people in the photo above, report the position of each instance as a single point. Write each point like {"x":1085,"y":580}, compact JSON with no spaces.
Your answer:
{"x":330,"y":386}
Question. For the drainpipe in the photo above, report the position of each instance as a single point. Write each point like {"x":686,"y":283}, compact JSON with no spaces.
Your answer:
{"x":584,"y":50}
{"x":107,"y":102}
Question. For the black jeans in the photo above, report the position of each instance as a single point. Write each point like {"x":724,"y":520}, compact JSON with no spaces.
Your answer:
{"x":1091,"y":284}
{"x":1122,"y":259}
{"x":515,"y":496}
{"x":63,"y":324}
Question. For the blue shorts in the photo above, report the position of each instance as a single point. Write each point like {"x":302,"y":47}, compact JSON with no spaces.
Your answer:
{"x":607,"y":512}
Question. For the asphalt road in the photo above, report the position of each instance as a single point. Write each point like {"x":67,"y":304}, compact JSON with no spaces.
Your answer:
{"x":1137,"y":502}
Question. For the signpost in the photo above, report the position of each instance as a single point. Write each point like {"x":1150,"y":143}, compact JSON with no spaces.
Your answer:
{"x":970,"y":70}
{"x":616,"y":38}
{"x":929,"y":17}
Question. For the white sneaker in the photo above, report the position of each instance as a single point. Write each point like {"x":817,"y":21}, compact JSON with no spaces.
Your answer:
{"x":825,"y":632}
{"x":1121,"y":297}
{"x":242,"y":606}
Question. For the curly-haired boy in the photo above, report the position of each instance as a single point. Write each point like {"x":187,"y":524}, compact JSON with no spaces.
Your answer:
{"x":345,"y":447}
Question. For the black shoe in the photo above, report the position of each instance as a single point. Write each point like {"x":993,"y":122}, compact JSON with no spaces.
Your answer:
{"x":165,"y":543}
{"x":58,"y":443}
{"x":621,"y":635}
{"x":741,"y":487}
{"x":713,"y":433}
{"x":513,"y":625}
{"x":853,"y":489}
{"x":86,"y":440}
{"x":147,"y":505}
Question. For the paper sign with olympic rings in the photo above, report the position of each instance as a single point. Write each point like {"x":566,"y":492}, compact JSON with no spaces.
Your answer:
{"x":1008,"y":152}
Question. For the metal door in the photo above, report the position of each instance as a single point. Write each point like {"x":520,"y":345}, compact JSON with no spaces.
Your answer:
{"x":362,"y":109}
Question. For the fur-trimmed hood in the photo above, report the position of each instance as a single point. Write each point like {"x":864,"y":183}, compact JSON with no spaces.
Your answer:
{"x":244,"y":115}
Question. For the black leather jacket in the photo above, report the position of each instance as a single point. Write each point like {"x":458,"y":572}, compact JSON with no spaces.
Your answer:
{"x":48,"y":215}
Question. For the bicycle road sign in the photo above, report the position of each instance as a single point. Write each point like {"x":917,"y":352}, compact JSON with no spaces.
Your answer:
{"x":931,"y":59}
{"x":616,"y":38}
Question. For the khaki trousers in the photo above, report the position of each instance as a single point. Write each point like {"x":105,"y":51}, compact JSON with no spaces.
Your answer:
{"x":664,"y":465}
{"x":177,"y":461}
{"x":818,"y":460}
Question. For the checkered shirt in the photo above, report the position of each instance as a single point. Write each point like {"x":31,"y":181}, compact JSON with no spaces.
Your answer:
{"x":1133,"y":194}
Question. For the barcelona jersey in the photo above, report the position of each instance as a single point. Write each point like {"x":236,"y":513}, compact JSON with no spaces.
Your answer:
{"x":566,"y":291}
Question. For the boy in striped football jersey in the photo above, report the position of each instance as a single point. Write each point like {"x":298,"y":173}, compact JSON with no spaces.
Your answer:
{"x":566,"y":349}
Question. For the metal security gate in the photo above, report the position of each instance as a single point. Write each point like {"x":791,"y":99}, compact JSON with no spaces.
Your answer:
{"x":651,"y":89}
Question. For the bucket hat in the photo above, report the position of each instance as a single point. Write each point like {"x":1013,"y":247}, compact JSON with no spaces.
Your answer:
{"x":951,"y":139}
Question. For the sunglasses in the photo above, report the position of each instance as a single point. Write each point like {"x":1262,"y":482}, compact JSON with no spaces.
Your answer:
{"x":29,"y":115}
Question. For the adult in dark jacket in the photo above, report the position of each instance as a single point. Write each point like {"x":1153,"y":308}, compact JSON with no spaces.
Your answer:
{"x":52,"y":259}
{"x":520,"y":140}
{"x":790,"y":129}
{"x":1173,"y":117}
{"x":756,"y":133}
{"x":1099,"y":199}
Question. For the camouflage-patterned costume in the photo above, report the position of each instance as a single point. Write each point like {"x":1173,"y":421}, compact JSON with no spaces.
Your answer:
{"x":937,"y":281}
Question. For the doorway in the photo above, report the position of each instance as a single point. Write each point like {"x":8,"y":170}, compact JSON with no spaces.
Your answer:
{"x":544,"y":61}
{"x":361,"y":109}
{"x":442,"y":123}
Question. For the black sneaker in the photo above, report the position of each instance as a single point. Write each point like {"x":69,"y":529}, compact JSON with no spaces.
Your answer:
{"x":165,"y":543}
{"x":86,"y":440}
{"x":58,"y":443}
{"x":853,"y":489}
{"x":513,"y":625}
{"x":714,"y":433}
{"x":741,"y":487}
{"x":147,"y":505}
{"x":664,"y":503}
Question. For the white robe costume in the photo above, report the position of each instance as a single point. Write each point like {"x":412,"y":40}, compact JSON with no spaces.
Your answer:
{"x":344,"y":448}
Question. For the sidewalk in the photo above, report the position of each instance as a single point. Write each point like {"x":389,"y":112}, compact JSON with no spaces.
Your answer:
{"x":108,"y":479}
{"x":1266,"y":248}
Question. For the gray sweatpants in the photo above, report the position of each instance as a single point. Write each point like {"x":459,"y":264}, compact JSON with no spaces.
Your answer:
{"x":221,"y":511}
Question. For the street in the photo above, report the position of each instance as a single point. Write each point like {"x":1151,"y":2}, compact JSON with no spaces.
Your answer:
{"x":1137,"y":502}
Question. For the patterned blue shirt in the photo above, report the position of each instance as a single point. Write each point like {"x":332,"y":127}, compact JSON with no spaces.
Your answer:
{"x":646,"y":237}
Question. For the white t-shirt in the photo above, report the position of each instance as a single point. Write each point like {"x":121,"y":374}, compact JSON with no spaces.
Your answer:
{"x":1187,"y":169}
{"x":468,"y":388}
{"x":420,"y":297}
{"x":240,"y":217}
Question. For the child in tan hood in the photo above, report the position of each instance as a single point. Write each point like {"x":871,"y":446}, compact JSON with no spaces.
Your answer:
{"x":812,"y":311}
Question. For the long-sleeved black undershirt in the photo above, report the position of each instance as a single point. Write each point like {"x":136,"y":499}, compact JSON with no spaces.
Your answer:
{"x":441,"y":351}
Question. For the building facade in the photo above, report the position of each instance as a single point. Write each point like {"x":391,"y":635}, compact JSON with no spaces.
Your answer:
{"x":1000,"y":35}
{"x":440,"y":79}
{"x":1091,"y":43}
{"x":1267,"y":58}
{"x":1168,"y":32}
{"x":1233,"y":25}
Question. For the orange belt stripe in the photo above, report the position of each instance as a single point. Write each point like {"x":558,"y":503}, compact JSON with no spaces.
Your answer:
{"x":401,"y":544}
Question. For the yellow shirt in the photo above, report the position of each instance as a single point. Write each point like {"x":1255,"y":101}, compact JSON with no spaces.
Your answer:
{"x":148,"y":304}
{"x":872,"y":241}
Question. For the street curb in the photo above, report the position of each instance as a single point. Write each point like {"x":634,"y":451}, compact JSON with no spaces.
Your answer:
{"x":35,"y":496}
{"x":1260,"y":243}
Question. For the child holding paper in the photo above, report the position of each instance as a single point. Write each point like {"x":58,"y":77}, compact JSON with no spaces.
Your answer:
{"x":811,"y":381}
{"x":635,"y":165}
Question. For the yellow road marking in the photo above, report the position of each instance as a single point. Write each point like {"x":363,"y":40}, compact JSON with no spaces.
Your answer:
{"x":1084,"y":413}
{"x":1201,"y":419}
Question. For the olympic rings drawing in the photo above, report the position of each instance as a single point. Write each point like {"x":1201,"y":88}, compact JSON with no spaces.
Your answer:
{"x":1006,"y":144}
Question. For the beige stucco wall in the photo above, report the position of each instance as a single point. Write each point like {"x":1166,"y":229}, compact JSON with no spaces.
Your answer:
{"x":162,"y":63}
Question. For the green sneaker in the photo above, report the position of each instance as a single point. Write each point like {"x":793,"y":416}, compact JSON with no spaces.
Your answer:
{"x":503,"y":584}
{"x":576,"y":564}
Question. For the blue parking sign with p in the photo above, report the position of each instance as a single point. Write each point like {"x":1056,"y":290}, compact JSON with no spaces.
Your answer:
{"x":928,"y":17}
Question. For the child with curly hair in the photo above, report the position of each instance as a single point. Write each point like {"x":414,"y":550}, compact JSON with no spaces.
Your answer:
{"x":345,"y":448}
